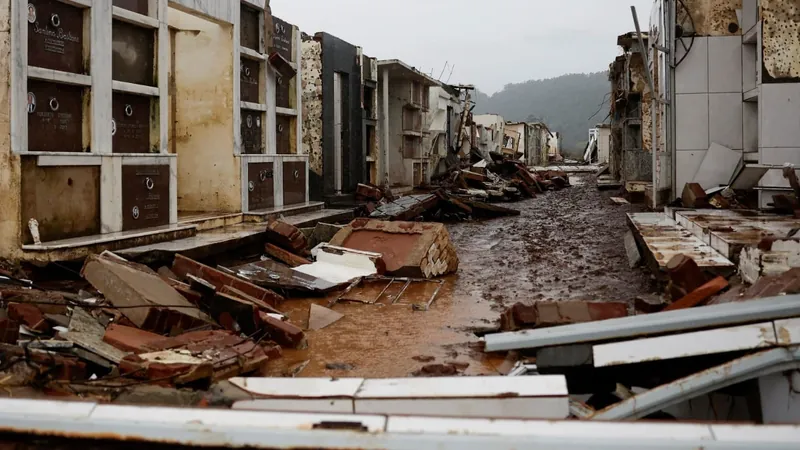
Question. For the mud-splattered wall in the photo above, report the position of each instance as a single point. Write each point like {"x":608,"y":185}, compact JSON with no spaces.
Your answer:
{"x":781,"y":40}
{"x":711,"y":17}
{"x":312,"y":104}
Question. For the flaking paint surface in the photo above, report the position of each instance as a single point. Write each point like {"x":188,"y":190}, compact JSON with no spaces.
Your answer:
{"x":781,"y":39}
{"x":711,"y":17}
{"x":9,"y":162}
{"x":312,"y":104}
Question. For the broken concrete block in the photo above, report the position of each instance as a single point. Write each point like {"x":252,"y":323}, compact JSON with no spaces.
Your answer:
{"x":632,"y":250}
{"x":685,"y":276}
{"x":196,"y":355}
{"x":649,"y":303}
{"x":94,"y":344}
{"x":145,"y":298}
{"x":56,"y":366}
{"x":410,"y":249}
{"x":233,"y":314}
{"x":564,"y":356}
{"x":130,"y":339}
{"x":286,"y":236}
{"x":548,"y":314}
{"x":47,"y":302}
{"x":284,"y":256}
{"x":772,"y":257}
{"x":366,"y":192}
{"x":29,"y":315}
{"x":320,"y":317}
{"x":281,"y":332}
{"x":694,"y":196}
{"x":700,"y":295}
{"x":183,"y":266}
{"x":786,"y":283}
{"x":323,"y":233}
{"x":406,"y":208}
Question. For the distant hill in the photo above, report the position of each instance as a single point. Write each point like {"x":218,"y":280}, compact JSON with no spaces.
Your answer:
{"x":564,"y":103}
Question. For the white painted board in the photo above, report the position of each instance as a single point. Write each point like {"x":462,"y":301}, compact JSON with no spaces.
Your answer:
{"x":717,"y":167}
{"x":300,"y":387}
{"x":708,"y":342}
{"x":497,"y":408}
{"x":332,"y":405}
{"x":464,"y":387}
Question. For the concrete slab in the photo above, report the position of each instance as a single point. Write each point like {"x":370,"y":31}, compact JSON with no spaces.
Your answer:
{"x":729,"y":231}
{"x":219,"y":240}
{"x":663,"y":238}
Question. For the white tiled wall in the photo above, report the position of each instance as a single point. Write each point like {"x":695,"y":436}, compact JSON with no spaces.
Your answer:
{"x":725,"y":64}
{"x":725,"y":117}
{"x":691,"y":76}
{"x":687,"y":162}
{"x":692,"y":121}
{"x":779,"y":105}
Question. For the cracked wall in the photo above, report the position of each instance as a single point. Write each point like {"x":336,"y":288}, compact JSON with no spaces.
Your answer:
{"x":312,"y":104}
{"x":781,"y":40}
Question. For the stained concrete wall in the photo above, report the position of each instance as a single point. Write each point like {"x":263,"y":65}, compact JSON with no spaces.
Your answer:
{"x":10,"y":169}
{"x":399,"y":96}
{"x":312,"y":111}
{"x":493,"y":122}
{"x":712,"y":17}
{"x":781,"y":40}
{"x":341,"y":57}
{"x":203,"y":114}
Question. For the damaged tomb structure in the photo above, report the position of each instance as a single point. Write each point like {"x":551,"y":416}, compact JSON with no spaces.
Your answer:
{"x":298,"y":245}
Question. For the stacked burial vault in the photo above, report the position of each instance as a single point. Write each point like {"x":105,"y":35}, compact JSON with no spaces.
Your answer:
{"x":125,"y":119}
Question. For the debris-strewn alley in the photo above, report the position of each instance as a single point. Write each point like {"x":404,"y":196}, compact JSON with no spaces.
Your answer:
{"x":564,"y":246}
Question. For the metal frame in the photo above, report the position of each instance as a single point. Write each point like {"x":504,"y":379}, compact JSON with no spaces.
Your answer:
{"x":665,"y":322}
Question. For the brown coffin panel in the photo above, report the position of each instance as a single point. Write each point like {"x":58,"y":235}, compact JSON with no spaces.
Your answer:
{"x":133,"y":58}
{"x":55,"y":36}
{"x":250,"y":74}
{"x":282,"y":39}
{"x":55,"y":117}
{"x":250,"y":35}
{"x":145,"y":196}
{"x":260,"y":185}
{"x":252,"y":132}
{"x":294,"y":182}
{"x":131,"y":123}
{"x":137,"y":6}
{"x":282,"y":89}
{"x":283,"y":133}
{"x":65,"y":201}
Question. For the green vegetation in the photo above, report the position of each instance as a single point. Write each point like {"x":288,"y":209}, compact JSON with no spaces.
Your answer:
{"x":565,"y":104}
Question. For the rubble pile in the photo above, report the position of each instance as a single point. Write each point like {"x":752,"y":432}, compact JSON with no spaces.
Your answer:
{"x":193,"y":325}
{"x":463,"y":193}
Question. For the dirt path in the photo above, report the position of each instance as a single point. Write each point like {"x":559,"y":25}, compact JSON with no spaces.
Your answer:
{"x":565,"y":245}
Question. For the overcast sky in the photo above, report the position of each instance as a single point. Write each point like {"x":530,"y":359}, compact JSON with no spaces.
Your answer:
{"x":489,"y":42}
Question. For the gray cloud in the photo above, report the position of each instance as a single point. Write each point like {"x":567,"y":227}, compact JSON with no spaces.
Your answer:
{"x":489,"y":43}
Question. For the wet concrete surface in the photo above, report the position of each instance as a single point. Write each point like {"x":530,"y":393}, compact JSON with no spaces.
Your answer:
{"x":566,"y":245}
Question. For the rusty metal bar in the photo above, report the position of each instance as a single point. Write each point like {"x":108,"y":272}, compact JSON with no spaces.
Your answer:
{"x":435,"y":293}
{"x":355,"y":283}
{"x":405,"y":286}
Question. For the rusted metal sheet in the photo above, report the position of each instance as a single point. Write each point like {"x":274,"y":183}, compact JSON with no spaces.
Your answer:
{"x":294,"y":182}
{"x":55,"y":36}
{"x":664,"y":238}
{"x":145,"y":196}
{"x":250,"y":35}
{"x":137,"y":6}
{"x":133,"y":58}
{"x":781,"y":40}
{"x":261,"y":185}
{"x":282,"y":91}
{"x":130,"y":128}
{"x":250,"y":74}
{"x":282,"y":41}
{"x":252,"y":132}
{"x":55,"y":117}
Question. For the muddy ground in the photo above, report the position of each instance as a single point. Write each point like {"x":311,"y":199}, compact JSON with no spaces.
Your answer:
{"x":566,"y":245}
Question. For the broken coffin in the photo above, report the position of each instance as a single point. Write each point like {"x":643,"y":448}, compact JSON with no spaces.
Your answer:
{"x":409,"y":249}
